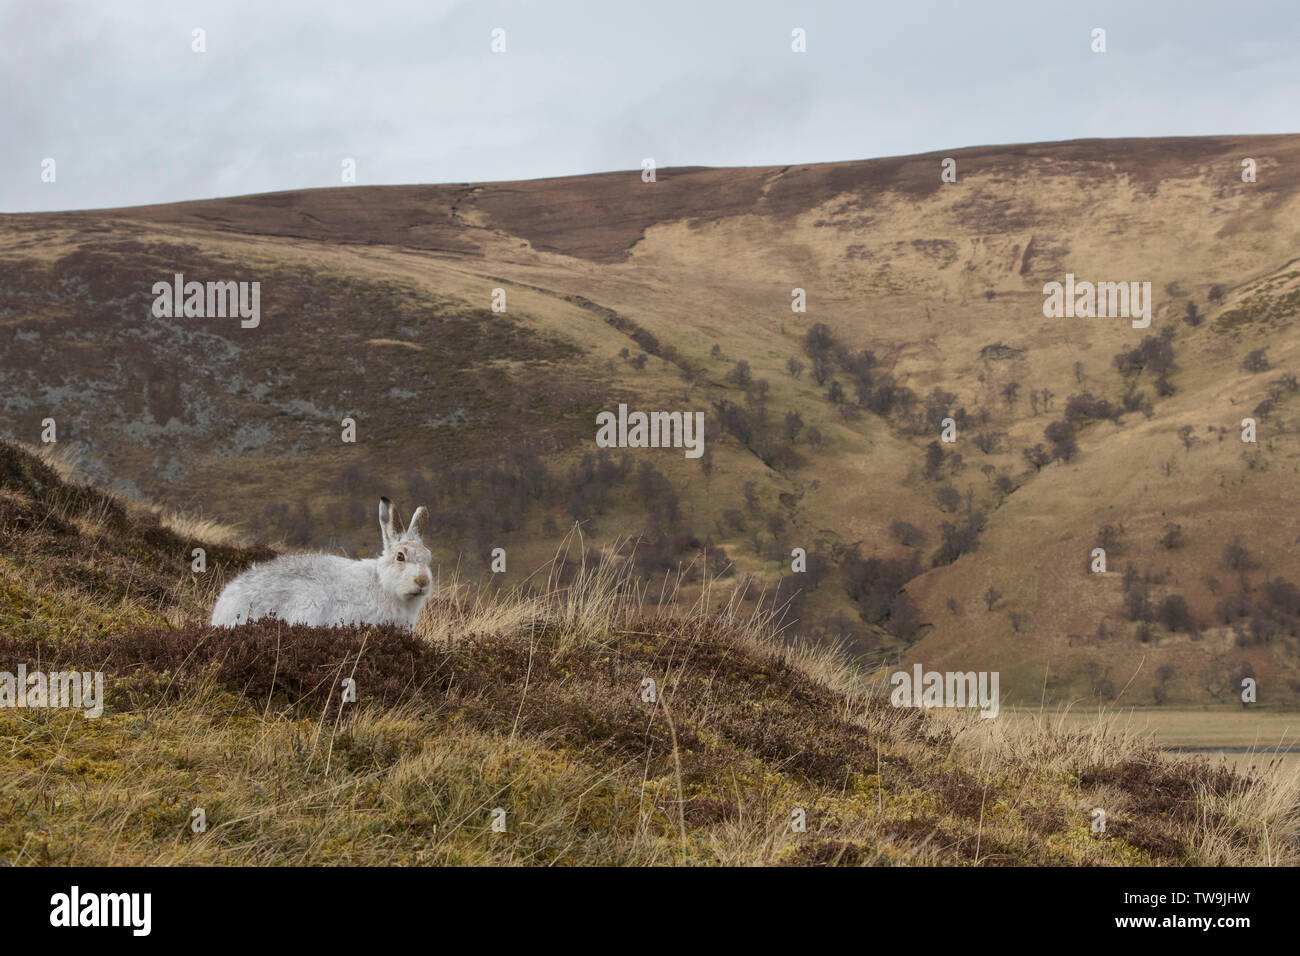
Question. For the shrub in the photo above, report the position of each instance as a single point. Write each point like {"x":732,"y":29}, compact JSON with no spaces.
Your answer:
{"x":1283,"y":595}
{"x":1137,"y":607}
{"x":1154,"y":353}
{"x":1173,"y":536}
{"x":1173,"y":614}
{"x":949,"y":498}
{"x":933,"y":461}
{"x":875,"y":585}
{"x":908,"y":535}
{"x":1058,"y":431}
{"x":647,"y":340}
{"x":740,"y":374}
{"x":1065,"y":450}
{"x":1256,"y":361}
{"x":734,"y":420}
{"x":793,"y":425}
{"x":818,"y":340}
{"x":1237,"y":557}
{"x":959,"y":538}
{"x":1086,"y":407}
{"x":1037,"y":456}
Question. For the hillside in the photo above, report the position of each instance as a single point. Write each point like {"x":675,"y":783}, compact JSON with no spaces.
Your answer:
{"x":533,"y":704}
{"x":924,"y":301}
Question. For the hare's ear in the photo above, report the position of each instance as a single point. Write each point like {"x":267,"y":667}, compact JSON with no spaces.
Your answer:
{"x":418,"y":522}
{"x":386,"y":522}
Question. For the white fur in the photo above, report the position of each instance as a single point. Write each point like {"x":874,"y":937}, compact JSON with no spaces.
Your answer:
{"x":324,"y":590}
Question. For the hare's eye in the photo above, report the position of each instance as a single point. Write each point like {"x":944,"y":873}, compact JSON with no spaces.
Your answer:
{"x":401,"y":556}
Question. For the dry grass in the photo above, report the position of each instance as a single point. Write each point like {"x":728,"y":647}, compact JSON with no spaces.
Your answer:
{"x":893,"y":263}
{"x":531,"y":700}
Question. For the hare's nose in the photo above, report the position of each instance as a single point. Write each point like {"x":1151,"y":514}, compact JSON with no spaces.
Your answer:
{"x":421,"y":580}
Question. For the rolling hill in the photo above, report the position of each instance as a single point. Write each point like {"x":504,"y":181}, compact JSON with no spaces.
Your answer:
{"x":924,"y":302}
{"x":515,"y":728}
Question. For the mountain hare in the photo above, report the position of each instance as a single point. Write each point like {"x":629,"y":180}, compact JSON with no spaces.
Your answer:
{"x":324,"y":590}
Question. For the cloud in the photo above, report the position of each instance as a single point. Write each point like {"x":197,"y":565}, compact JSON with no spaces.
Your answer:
{"x":411,"y":90}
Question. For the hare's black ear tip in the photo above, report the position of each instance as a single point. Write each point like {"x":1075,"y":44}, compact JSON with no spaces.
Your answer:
{"x":384,"y":500}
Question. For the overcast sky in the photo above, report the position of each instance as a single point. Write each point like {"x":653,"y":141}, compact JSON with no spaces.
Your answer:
{"x":112,"y":91}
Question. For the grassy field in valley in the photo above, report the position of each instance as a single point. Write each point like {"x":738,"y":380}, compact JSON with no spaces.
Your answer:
{"x":1244,"y":738}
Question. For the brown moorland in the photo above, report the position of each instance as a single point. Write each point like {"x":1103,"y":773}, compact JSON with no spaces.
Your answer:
{"x":924,"y":301}
{"x":533,"y":704}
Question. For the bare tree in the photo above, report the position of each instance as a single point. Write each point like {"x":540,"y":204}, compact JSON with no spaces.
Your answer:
{"x":991,"y":597}
{"x":793,"y":425}
{"x":1038,"y":456}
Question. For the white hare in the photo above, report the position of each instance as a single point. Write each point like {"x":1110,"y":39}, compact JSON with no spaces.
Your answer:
{"x":324,"y":590}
